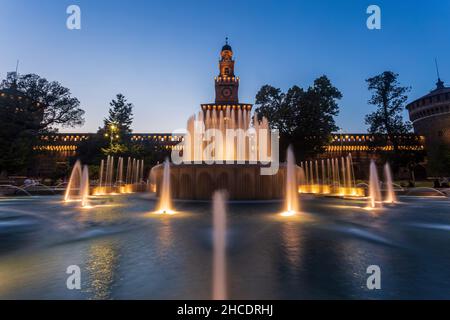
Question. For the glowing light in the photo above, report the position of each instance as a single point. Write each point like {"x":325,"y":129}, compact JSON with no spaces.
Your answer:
{"x":166,"y":211}
{"x":289,"y":213}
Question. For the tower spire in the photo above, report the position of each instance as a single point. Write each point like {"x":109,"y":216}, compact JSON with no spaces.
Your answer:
{"x":439,"y":83}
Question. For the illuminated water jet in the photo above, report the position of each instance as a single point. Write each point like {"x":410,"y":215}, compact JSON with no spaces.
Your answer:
{"x":84,"y":187}
{"x":131,"y":182}
{"x":74,"y":181}
{"x":291,"y":200}
{"x":374,"y":187}
{"x":390,"y":194}
{"x":165,"y":201}
{"x":219,"y":288}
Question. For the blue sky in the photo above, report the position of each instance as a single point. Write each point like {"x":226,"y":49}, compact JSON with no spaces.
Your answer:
{"x":163,"y":55}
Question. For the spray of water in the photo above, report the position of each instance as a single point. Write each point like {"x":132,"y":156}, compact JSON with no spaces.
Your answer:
{"x":374,"y":187}
{"x":291,"y":200}
{"x":390,"y":195}
{"x":219,"y":289}
{"x":74,"y":181}
{"x":165,"y":201}
{"x":84,"y":188}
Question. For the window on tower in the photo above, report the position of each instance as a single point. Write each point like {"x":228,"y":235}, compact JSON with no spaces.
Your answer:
{"x":227,"y":71}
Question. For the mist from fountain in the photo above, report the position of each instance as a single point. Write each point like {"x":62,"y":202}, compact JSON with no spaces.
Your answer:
{"x":390,"y":194}
{"x":219,"y":287}
{"x":291,"y":200}
{"x":165,"y":201}
{"x":374,"y":187}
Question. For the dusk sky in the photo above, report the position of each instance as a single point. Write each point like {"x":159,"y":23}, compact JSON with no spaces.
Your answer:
{"x":163,"y":55}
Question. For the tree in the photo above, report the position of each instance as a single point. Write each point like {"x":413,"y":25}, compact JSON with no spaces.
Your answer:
{"x":37,"y":107}
{"x":386,"y":121}
{"x":55,"y":105}
{"x":120,"y":115}
{"x":117,"y":126}
{"x":389,"y":98}
{"x":304,"y":118}
{"x":277,"y":107}
{"x":315,"y":118}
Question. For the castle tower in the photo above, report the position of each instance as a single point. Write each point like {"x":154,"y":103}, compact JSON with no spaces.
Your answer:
{"x":430,"y":116}
{"x":227,"y":84}
{"x":227,"y":98}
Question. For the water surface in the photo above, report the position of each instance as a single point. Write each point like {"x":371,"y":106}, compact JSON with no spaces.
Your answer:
{"x":126,"y":252}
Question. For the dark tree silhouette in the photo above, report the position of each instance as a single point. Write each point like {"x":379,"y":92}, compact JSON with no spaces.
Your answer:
{"x":387,"y":123}
{"x":389,"y":97}
{"x":304,"y":118}
{"x":37,"y":107}
{"x":56,"y":107}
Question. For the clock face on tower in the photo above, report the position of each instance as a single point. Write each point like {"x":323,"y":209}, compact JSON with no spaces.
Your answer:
{"x":226,"y":92}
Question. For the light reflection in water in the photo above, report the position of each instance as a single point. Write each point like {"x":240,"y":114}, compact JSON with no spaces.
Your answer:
{"x":165,"y":237}
{"x":101,"y":267}
{"x":291,"y":243}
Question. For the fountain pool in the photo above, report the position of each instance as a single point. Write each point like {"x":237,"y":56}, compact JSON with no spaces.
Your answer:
{"x":125,"y":251}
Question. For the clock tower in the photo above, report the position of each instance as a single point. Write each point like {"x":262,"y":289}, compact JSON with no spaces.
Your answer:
{"x":227,"y":84}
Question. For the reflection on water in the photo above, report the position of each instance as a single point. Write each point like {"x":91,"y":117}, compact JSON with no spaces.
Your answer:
{"x":101,"y":264}
{"x":291,"y":244}
{"x":165,"y":236}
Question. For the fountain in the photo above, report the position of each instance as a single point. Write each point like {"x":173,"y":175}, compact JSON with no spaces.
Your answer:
{"x":108,"y":184}
{"x":291,"y":194}
{"x":78,"y":182}
{"x":335,"y":176}
{"x":390,"y":195}
{"x":219,"y":288}
{"x":119,"y":174}
{"x":84,"y":187}
{"x":224,"y":149}
{"x":74,"y":181}
{"x":152,"y":179}
{"x":100,"y":178}
{"x":165,"y":203}
{"x":374,"y":187}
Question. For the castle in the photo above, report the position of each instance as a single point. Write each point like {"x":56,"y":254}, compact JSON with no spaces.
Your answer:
{"x":428,"y":113}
